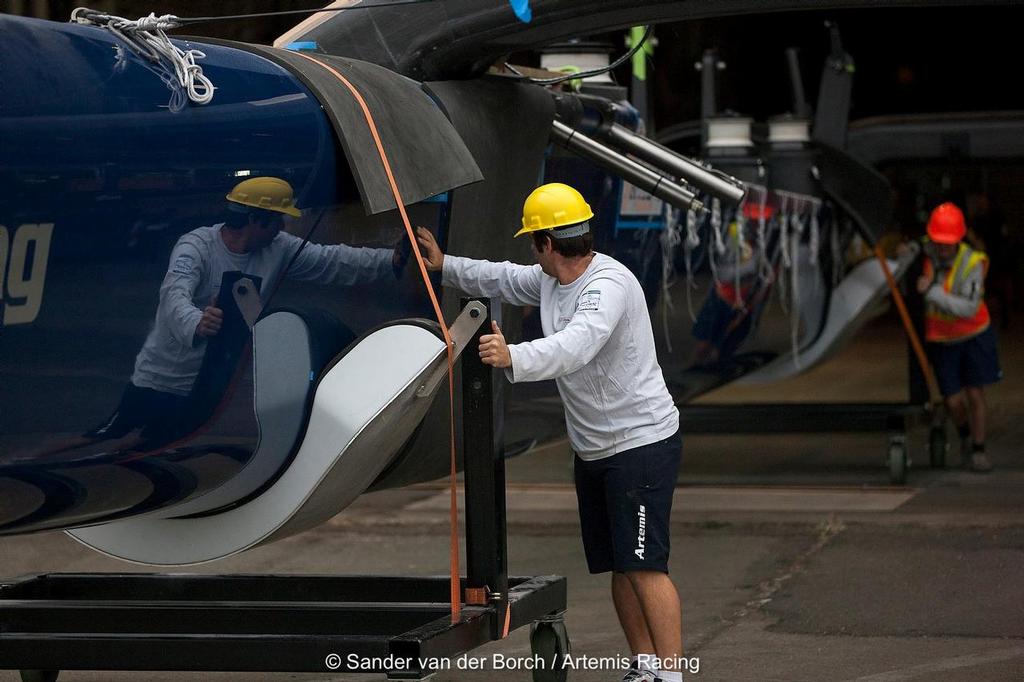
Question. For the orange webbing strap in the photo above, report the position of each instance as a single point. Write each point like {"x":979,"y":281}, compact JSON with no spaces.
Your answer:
{"x":456,"y":597}
{"x":908,"y":325}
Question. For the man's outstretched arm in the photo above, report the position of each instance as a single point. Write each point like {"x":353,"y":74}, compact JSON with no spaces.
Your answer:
{"x":512,"y":283}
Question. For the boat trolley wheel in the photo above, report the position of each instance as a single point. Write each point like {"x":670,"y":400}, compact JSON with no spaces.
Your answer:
{"x":549,"y":641}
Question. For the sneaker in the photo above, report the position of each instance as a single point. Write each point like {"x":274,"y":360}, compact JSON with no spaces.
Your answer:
{"x":635,"y":675}
{"x":980,"y":462}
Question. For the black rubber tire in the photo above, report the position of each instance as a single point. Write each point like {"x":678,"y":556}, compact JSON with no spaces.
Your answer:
{"x":550,"y":642}
{"x":39,"y":675}
{"x":897,"y":463}
{"x":937,"y":447}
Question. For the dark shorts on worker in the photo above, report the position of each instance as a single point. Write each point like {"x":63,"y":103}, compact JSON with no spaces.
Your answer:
{"x":970,"y":363}
{"x":625,"y":502}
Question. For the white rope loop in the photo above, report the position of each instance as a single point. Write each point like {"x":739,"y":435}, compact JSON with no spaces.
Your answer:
{"x":146,"y":37}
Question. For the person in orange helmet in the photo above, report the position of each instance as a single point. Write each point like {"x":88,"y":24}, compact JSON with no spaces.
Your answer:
{"x":961,"y":342}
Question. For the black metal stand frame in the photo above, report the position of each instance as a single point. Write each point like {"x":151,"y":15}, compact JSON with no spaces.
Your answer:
{"x":892,"y":418}
{"x":895,"y":419}
{"x":797,"y":417}
{"x":400,"y":626}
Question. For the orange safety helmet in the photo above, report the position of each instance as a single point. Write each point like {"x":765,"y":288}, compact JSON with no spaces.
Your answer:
{"x":946,"y":224}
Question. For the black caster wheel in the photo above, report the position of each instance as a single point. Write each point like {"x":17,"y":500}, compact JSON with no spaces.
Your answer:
{"x":898,"y":461}
{"x":549,"y":642}
{"x":937,"y":447}
{"x":39,"y":675}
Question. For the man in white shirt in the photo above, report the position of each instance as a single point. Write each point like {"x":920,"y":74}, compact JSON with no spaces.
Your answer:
{"x":598,"y":346}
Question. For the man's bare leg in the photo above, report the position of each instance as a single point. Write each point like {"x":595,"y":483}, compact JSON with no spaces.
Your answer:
{"x":659,"y":602}
{"x":957,"y":406}
{"x":979,"y":461}
{"x":631,"y":616}
{"x":976,"y":412}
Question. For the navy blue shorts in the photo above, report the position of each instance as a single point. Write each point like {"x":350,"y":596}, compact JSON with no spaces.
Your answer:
{"x":713,"y":319}
{"x":625,"y":502}
{"x":970,"y":363}
{"x":713,"y":324}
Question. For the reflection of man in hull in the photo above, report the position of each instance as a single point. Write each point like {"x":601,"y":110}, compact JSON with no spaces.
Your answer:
{"x":158,"y":398}
{"x":728,"y":313}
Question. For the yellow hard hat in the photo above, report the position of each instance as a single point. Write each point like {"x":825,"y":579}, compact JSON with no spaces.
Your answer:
{"x":271,"y":194}
{"x":554,"y":205}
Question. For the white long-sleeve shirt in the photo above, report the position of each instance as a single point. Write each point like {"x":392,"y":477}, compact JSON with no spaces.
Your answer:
{"x":172,"y":354}
{"x":598,"y":346}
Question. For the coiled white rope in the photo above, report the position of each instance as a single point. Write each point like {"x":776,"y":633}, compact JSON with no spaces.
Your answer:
{"x":146,"y":37}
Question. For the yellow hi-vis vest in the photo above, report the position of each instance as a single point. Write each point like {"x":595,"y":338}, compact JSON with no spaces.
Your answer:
{"x":942,"y":327}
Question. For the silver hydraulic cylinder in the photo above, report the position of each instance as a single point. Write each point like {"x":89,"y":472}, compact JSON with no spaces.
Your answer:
{"x":661,"y":186}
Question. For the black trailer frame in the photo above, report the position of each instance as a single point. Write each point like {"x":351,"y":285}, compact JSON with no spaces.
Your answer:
{"x":400,"y":626}
{"x":895,"y":419}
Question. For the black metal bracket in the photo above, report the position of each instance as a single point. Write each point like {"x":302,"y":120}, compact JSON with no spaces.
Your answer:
{"x":484,"y":475}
